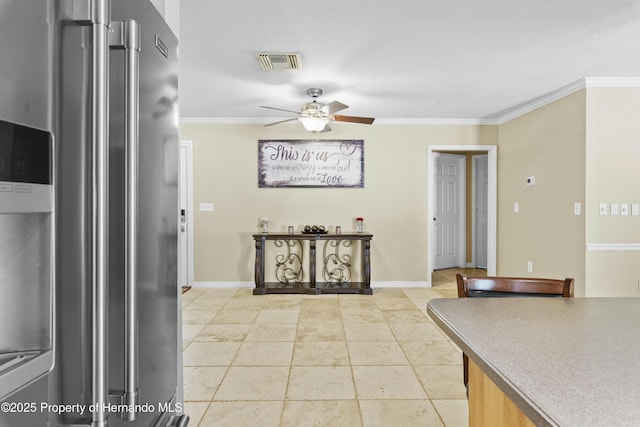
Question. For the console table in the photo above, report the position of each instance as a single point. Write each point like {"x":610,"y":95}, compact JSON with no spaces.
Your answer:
{"x":337,"y":254}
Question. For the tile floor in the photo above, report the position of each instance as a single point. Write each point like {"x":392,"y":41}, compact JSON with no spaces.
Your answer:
{"x":328,"y":360}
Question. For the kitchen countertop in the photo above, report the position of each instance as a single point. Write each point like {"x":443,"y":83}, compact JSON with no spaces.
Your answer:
{"x":562,"y":361}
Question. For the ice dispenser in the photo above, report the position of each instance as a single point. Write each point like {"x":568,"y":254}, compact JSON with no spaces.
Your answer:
{"x":26,"y":252}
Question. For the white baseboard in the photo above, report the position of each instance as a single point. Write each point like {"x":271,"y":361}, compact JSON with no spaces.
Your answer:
{"x":401,"y":284}
{"x":381,"y":284}
{"x":223,"y":285}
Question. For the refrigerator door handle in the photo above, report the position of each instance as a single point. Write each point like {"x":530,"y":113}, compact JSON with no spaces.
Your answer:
{"x":126,"y":35}
{"x":96,"y":15}
{"x":100,"y":10}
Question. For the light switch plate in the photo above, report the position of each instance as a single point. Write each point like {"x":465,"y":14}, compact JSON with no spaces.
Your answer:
{"x":577,"y":207}
{"x":516,"y":207}
{"x":635,"y":209}
{"x":604,"y":209}
{"x":615,"y":209}
{"x":624,"y":209}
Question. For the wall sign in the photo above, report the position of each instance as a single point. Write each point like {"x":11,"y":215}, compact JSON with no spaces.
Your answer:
{"x":311,"y":163}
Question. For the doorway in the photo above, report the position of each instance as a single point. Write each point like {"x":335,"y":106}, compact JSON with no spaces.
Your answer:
{"x":433,"y":151}
{"x":185,"y":216}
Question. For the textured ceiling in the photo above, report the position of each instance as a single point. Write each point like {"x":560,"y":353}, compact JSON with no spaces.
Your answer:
{"x":411,"y":59}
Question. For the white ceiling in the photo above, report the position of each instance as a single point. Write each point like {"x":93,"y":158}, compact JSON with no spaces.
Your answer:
{"x":409,"y":59}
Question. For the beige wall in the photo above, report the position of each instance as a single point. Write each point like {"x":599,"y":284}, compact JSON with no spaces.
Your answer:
{"x":582,"y":148}
{"x":393,"y":201}
{"x":548,"y":143}
{"x":613,"y":176}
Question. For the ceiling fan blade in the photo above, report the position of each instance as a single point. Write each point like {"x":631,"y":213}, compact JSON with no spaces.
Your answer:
{"x":280,"y":109}
{"x":353,"y":119}
{"x":281,"y":121}
{"x":333,"y":107}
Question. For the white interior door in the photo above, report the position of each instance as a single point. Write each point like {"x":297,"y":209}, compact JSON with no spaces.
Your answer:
{"x":432,"y":153}
{"x":482,"y":209}
{"x":185,"y":234}
{"x":448,"y":210}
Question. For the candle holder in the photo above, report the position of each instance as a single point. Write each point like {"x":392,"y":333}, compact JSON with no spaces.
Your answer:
{"x":263,"y":224}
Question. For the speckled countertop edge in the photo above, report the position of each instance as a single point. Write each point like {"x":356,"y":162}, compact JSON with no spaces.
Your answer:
{"x":533,"y":412}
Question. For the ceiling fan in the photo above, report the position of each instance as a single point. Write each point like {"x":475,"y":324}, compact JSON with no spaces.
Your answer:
{"x":315,"y":116}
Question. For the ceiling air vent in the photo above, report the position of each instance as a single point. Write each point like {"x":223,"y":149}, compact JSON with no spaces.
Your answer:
{"x":279,"y":61}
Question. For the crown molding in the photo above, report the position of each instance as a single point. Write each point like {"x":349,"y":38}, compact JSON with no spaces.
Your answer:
{"x":435,"y":121}
{"x":587,"y":82}
{"x":385,"y":121}
{"x":534,"y":104}
{"x":226,"y":120}
{"x":497,"y":119}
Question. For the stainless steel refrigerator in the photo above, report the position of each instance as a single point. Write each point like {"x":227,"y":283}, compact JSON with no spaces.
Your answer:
{"x":89,"y":331}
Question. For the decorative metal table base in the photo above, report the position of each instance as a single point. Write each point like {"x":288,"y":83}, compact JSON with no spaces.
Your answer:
{"x":336,"y":269}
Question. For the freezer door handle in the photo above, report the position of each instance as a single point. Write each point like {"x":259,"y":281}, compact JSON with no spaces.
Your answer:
{"x":100,"y":222}
{"x":95,"y":14}
{"x":126,"y":35}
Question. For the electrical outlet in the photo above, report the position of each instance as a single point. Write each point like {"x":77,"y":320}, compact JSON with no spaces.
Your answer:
{"x":530,"y":266}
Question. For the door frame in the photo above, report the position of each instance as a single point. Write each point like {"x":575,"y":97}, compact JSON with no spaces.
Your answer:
{"x":474,"y":204}
{"x":188,"y":187}
{"x":492,"y":152}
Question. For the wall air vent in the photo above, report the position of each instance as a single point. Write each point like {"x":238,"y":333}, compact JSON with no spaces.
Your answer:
{"x":279,"y":61}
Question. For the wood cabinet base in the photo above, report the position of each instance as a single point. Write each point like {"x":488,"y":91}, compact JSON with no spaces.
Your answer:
{"x":489,"y":406}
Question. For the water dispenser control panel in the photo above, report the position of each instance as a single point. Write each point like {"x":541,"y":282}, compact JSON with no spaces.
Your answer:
{"x":25,"y":169}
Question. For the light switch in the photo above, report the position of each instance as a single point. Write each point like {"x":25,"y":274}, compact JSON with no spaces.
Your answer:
{"x":615,"y":210}
{"x":577,"y":208}
{"x":206,"y":207}
{"x":635,"y":209}
{"x":624,"y":209}
{"x":603,"y":209}
{"x":516,"y":207}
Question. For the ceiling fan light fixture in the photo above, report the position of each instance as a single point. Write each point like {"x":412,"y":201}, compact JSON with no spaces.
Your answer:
{"x":314,"y":124}
{"x":315,"y":116}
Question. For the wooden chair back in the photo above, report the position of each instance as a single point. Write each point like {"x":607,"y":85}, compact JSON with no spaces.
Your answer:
{"x":512,"y":286}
